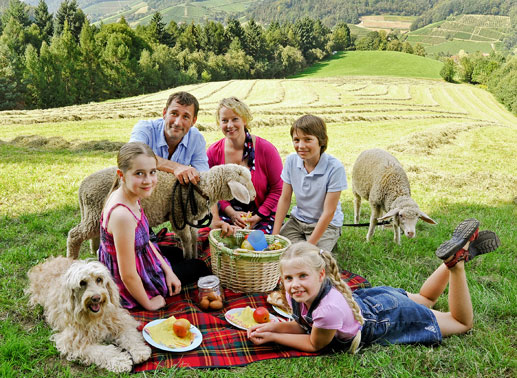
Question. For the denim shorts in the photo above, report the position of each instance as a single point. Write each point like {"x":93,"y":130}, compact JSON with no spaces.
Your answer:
{"x":391,"y":317}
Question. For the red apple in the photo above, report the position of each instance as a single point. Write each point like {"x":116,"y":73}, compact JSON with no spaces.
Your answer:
{"x":181,"y":327}
{"x":261,"y":315}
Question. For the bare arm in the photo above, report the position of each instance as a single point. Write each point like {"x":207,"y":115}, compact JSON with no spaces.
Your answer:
{"x":283,"y":207}
{"x":329,"y":208}
{"x":279,"y":333}
{"x":122,"y":227}
{"x":226,"y":228}
{"x":184,"y":173}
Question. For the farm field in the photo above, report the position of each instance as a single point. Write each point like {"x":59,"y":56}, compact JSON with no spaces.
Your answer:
{"x":387,"y":23}
{"x":470,"y":33}
{"x":456,"y":142}
{"x":188,"y":11}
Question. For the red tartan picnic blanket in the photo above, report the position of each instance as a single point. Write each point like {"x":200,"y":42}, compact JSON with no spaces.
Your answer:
{"x":223,"y":345}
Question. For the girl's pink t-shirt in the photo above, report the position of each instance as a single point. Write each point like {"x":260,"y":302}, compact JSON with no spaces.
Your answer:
{"x":333,"y":312}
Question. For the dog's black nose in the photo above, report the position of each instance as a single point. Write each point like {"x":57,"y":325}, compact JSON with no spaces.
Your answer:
{"x":96,"y":299}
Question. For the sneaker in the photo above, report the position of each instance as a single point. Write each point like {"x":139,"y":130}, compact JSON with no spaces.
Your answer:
{"x":464,"y":232}
{"x":487,"y":241}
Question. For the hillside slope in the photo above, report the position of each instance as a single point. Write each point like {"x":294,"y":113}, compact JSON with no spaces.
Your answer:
{"x":470,"y":33}
{"x":382,"y":63}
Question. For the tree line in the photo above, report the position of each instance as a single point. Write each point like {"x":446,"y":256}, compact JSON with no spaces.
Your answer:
{"x":57,"y":60}
{"x":496,"y":72}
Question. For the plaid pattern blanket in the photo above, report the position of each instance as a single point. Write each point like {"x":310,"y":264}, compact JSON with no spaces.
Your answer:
{"x":223,"y":345}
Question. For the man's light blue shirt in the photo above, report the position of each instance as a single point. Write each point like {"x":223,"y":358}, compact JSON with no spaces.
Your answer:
{"x":310,"y":189}
{"x":190,"y":151}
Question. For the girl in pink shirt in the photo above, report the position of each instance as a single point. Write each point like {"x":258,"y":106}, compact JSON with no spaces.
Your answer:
{"x":328,"y":314}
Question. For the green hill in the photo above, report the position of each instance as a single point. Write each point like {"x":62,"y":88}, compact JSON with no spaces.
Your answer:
{"x":470,"y":33}
{"x":382,"y":63}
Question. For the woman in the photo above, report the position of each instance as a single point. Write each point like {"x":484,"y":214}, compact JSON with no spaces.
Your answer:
{"x":240,"y":147}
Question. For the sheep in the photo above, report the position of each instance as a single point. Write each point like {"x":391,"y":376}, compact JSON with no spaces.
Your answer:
{"x":378,"y":177}
{"x":222,"y":182}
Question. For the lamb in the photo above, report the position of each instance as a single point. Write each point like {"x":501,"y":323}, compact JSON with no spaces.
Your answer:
{"x":379,"y":178}
{"x":222,"y":182}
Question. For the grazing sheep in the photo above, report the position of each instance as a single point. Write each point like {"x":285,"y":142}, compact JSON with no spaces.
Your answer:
{"x":379,"y":178}
{"x":222,"y":182}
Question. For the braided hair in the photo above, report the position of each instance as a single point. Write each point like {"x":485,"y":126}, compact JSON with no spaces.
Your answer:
{"x":319,"y":259}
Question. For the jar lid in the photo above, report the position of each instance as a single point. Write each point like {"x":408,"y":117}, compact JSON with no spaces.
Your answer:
{"x":208,"y":281}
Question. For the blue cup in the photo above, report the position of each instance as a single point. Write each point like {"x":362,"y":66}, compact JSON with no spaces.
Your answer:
{"x":257,"y":240}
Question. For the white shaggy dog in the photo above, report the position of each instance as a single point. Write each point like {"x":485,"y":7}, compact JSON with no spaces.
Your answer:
{"x":81,"y":302}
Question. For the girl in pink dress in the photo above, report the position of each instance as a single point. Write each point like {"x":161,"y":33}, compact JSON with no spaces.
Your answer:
{"x":144,"y":277}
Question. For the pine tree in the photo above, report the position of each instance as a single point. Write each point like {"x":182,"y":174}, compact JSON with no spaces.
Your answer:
{"x":75,"y":17}
{"x":90,"y":69}
{"x":44,"y":20}
{"x":17,"y":10}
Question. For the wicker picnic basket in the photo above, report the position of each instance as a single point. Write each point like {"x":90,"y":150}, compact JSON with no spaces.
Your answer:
{"x":242,"y":270}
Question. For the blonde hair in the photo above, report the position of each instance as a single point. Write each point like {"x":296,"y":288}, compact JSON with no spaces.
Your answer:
{"x":127,"y":153}
{"x":318,"y":259}
{"x":312,"y":125}
{"x":238,"y":107}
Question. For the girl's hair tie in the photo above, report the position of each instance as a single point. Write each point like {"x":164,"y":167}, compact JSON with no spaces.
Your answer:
{"x":321,"y":252}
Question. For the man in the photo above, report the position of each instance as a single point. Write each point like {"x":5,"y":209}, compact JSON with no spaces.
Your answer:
{"x":180,"y":148}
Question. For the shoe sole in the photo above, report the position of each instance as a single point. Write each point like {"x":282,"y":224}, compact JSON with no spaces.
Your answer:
{"x":459,"y":238}
{"x":487,"y":242}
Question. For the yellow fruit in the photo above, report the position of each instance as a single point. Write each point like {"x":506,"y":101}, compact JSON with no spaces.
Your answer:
{"x":247,"y":245}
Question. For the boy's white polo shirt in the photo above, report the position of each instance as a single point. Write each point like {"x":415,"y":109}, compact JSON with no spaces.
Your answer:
{"x":310,"y":189}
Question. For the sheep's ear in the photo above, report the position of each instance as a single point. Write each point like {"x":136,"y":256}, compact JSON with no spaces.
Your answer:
{"x":389,"y":214}
{"x":239,"y":191}
{"x":426,"y":218}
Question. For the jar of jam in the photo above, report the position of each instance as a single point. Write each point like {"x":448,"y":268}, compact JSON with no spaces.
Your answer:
{"x":210,"y":293}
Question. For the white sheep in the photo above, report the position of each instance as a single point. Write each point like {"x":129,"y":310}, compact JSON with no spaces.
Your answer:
{"x":379,"y":178}
{"x":222,"y":182}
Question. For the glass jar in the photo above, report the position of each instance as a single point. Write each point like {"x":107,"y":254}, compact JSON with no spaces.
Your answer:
{"x":210,"y":293}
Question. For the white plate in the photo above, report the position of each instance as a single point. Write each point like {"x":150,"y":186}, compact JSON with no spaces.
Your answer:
{"x":283,"y":313}
{"x":272,"y":317}
{"x":195,"y":343}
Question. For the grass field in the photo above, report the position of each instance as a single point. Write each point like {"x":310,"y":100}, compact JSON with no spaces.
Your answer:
{"x":456,"y":143}
{"x":383,"y":63}
{"x":469,"y":33}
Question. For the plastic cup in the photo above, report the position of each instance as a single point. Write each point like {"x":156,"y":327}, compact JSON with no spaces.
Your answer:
{"x":257,"y":240}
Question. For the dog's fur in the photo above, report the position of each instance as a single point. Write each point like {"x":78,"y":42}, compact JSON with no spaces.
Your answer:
{"x":81,"y":302}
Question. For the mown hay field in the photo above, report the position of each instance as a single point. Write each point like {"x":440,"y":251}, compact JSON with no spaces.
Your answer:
{"x":456,"y":143}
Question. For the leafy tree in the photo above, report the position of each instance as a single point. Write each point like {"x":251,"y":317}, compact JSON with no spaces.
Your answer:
{"x":340,"y":38}
{"x":420,"y":50}
{"x":503,"y":84}
{"x":371,"y":41}
{"x":394,"y":45}
{"x":44,"y":20}
{"x":407,"y":48}
{"x":466,"y":69}
{"x":448,"y":70}
{"x":292,"y":60}
{"x":75,"y":17}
